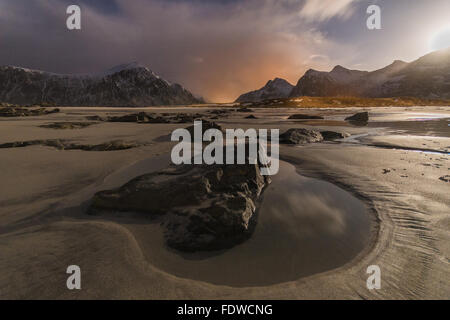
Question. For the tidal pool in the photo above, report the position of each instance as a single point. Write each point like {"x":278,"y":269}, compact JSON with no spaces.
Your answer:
{"x":305,"y":226}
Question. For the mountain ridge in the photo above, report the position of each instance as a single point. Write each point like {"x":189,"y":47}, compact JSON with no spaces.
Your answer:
{"x":426,"y":77}
{"x":129,"y":84}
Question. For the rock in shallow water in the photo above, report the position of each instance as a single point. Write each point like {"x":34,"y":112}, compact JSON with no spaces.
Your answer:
{"x":332,"y":135}
{"x":203,"y":207}
{"x":300,"y":136}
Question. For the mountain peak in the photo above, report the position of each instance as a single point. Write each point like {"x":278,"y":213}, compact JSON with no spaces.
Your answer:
{"x":339,"y":68}
{"x":126,"y":66}
{"x":277,"y":88}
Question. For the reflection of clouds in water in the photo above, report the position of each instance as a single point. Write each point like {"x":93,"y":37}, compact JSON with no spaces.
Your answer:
{"x":308,"y":215}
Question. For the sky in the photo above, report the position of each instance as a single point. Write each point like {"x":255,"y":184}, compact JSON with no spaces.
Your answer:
{"x":220,"y":49}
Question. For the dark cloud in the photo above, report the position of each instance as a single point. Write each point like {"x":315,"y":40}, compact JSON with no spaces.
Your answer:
{"x":216,"y":48}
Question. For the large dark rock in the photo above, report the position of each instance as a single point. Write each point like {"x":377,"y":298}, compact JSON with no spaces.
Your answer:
{"x":300,"y":136}
{"x":203,"y":207}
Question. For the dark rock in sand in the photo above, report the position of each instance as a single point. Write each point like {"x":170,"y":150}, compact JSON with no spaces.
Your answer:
{"x":135,"y":117}
{"x":65,"y":145}
{"x":67,"y":125}
{"x":332,"y":135}
{"x":206,"y":125}
{"x":304,"y":117}
{"x":300,"y":136}
{"x":359,"y":117}
{"x":445,"y":178}
{"x":203,"y":207}
{"x":94,"y":118}
{"x":251,"y":117}
{"x":244,"y":110}
{"x":14,"y":111}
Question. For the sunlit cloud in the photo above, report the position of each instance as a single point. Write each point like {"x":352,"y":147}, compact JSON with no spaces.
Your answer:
{"x":322,"y":10}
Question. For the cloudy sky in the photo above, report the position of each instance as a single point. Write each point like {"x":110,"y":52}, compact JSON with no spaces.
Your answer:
{"x":219,"y":48}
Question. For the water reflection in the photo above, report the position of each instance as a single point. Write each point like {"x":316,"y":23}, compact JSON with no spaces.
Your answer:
{"x":305,"y":226}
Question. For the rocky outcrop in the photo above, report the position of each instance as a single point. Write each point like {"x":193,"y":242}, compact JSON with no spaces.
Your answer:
{"x":67,"y":125}
{"x":125,"y":85}
{"x":143,"y":117}
{"x":427,"y":77}
{"x":65,"y":145}
{"x":274,"y":89}
{"x":300,"y":136}
{"x":203,"y":207}
{"x":15,"y":111}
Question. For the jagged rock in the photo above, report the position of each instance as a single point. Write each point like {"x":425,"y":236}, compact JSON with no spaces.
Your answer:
{"x":300,"y":136}
{"x":445,"y":178}
{"x":203,"y":207}
{"x":304,"y":117}
{"x":332,"y":135}
{"x":359,"y":117}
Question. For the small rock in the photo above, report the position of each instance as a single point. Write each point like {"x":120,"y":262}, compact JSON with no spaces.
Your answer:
{"x":445,"y":178}
{"x":359,"y":117}
{"x":332,"y":135}
{"x":244,"y":110}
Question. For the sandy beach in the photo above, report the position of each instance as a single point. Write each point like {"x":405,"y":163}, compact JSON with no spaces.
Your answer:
{"x":395,"y":172}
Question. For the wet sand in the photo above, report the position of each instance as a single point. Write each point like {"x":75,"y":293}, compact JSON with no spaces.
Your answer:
{"x":43,"y":226}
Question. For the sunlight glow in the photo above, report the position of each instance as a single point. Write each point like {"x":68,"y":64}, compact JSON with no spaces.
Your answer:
{"x":440,"y":40}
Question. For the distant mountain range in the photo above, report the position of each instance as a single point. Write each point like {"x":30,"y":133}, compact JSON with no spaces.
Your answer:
{"x":125,"y":85}
{"x":274,"y":89}
{"x":427,"y":77}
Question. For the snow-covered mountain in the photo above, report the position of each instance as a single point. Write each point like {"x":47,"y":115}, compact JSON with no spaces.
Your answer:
{"x":274,"y":89}
{"x":125,"y":85}
{"x":427,"y":77}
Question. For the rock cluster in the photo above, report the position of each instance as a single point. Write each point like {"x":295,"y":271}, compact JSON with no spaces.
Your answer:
{"x":203,"y":207}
